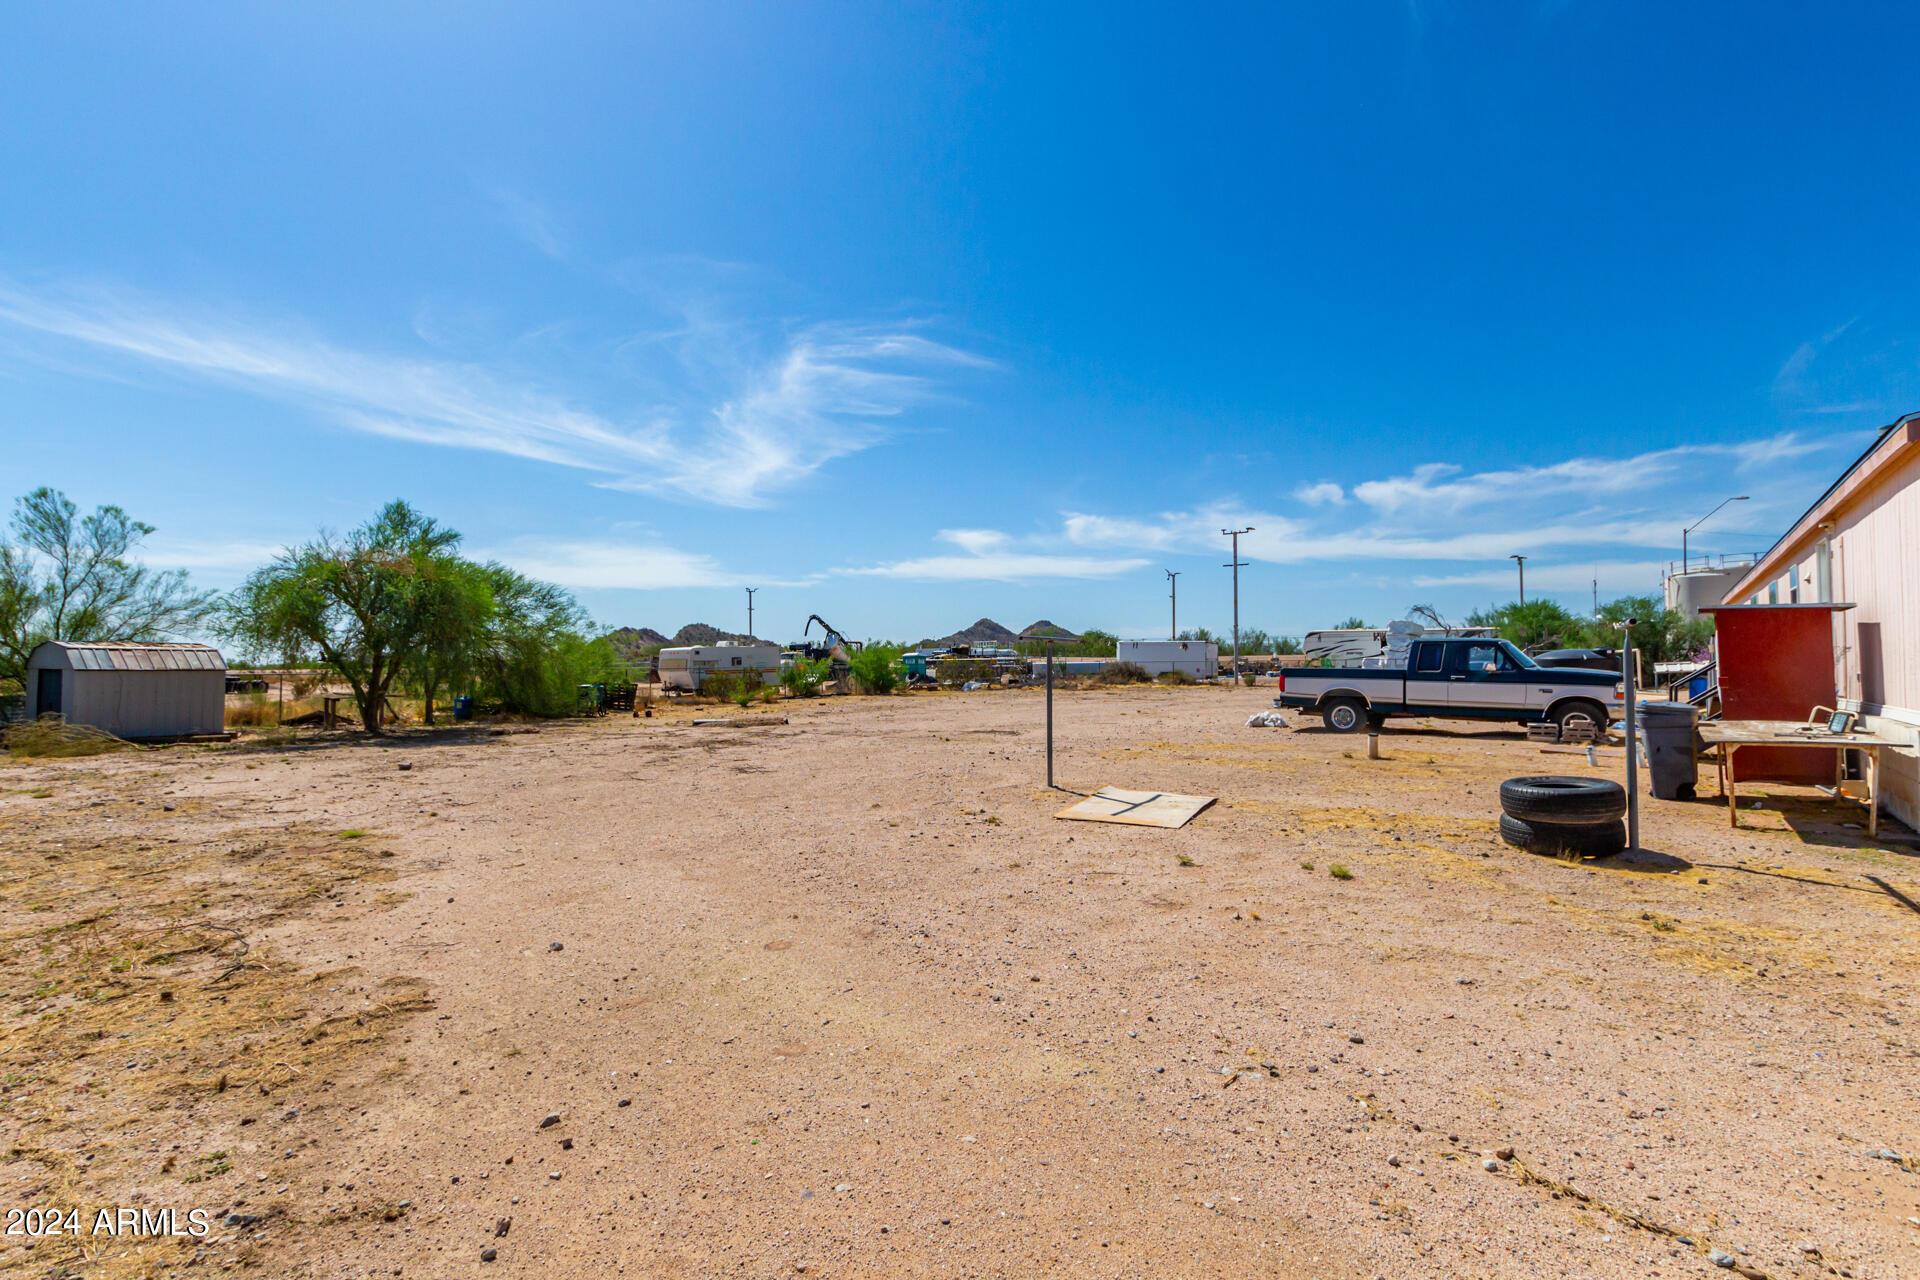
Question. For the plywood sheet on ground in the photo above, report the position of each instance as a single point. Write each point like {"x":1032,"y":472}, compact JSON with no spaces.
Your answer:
{"x":1136,"y":808}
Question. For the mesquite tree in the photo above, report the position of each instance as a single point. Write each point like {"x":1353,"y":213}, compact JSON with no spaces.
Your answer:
{"x":367,"y":605}
{"x":64,"y":576}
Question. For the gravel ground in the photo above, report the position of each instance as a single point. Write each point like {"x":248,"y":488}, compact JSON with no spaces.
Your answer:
{"x":831,"y":992}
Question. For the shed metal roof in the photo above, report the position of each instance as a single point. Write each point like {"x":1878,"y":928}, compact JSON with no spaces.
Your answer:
{"x":89,"y":655}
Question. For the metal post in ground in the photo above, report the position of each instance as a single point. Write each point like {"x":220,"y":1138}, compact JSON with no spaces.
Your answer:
{"x":1522,"y":562}
{"x":1049,"y":638}
{"x":1173,"y":605}
{"x":1235,"y":565}
{"x":1049,"y":715}
{"x":750,"y":591}
{"x":1633,"y":770}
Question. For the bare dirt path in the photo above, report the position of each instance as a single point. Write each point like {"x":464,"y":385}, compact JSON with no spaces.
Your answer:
{"x":839,"y":994}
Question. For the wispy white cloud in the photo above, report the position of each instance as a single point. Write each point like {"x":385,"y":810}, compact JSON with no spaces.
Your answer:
{"x":833,"y":392}
{"x":604,"y":564}
{"x":1614,"y":577}
{"x":999,"y":566}
{"x":827,"y":391}
{"x":218,"y":559}
{"x":976,"y":541}
{"x":992,"y":557}
{"x":532,"y":220}
{"x":1571,"y":515}
{"x":1169,"y":531}
{"x":1277,"y":539}
{"x":1326,"y":493}
{"x":1446,"y":488}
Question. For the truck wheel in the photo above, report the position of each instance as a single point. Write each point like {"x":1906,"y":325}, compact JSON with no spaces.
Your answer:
{"x":1563,"y":801}
{"x":1344,"y":715}
{"x":1588,"y":840}
{"x":1581,"y":713}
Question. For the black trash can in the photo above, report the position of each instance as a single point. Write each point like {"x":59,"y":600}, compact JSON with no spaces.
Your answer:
{"x":1669,"y":730}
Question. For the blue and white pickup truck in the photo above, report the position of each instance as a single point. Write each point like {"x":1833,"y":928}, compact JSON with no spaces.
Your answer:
{"x":1477,"y":679}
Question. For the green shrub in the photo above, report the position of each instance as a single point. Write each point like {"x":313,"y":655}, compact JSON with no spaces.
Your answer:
{"x":540,"y":674}
{"x":743,"y":688}
{"x":1339,"y":871}
{"x":1124,"y":673}
{"x":877,"y":668}
{"x":1174,"y":677}
{"x":804,"y":678}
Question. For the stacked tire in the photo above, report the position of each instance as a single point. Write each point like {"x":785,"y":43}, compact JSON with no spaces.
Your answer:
{"x":1562,"y":816}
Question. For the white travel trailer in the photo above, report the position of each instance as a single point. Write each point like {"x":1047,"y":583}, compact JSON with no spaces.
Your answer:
{"x":1358,"y":647}
{"x":1198,"y":658}
{"x":686,"y":667}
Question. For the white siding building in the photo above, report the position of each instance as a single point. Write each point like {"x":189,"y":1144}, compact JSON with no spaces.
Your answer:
{"x":1198,"y":658}
{"x":1861,"y":543}
{"x":130,"y":690}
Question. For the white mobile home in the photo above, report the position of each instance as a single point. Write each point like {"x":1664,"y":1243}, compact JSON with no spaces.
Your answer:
{"x":130,"y":690}
{"x":687,"y":666}
{"x":1198,"y":658}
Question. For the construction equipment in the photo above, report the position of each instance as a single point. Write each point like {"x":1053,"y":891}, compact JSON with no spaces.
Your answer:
{"x":833,"y":643}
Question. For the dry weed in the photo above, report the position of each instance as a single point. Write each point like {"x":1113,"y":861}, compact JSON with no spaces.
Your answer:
{"x":140,"y":1014}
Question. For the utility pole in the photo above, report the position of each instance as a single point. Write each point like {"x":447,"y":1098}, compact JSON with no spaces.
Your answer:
{"x":1236,"y":564}
{"x":1522,"y":562}
{"x":1173,"y":604}
{"x":750,"y":591}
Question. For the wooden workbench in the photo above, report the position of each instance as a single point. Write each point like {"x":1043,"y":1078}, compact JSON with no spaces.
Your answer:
{"x":1731,"y":735}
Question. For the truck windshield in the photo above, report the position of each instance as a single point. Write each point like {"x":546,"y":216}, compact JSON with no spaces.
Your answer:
{"x":1520,"y":659}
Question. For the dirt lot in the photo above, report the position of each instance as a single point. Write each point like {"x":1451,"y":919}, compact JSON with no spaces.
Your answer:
{"x":837,"y":994}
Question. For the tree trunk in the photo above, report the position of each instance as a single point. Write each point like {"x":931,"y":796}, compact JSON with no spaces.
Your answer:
{"x":374,"y":699}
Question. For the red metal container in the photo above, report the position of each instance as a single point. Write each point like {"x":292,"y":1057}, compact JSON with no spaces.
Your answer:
{"x":1776,"y":663}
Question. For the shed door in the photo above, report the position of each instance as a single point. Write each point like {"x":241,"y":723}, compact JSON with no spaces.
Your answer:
{"x":47,"y":699}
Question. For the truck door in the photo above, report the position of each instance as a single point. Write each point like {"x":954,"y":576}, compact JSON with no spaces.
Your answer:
{"x":1482,"y":677}
{"x":1427,"y":682}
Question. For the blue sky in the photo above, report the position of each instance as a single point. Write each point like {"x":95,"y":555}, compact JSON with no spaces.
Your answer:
{"x":913,"y":314}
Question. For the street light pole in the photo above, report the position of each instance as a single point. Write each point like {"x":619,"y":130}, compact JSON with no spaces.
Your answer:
{"x":750,"y":591}
{"x":1521,"y":561}
{"x":1173,"y":605}
{"x":1236,"y":565}
{"x":1696,"y":524}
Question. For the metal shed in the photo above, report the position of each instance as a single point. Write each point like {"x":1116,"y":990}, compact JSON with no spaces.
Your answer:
{"x":130,"y":690}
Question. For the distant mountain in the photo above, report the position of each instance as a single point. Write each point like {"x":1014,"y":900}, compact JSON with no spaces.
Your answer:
{"x":985,"y":631}
{"x":636,"y":637}
{"x":1043,"y":627}
{"x":629,"y":642}
{"x":701,"y":633}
